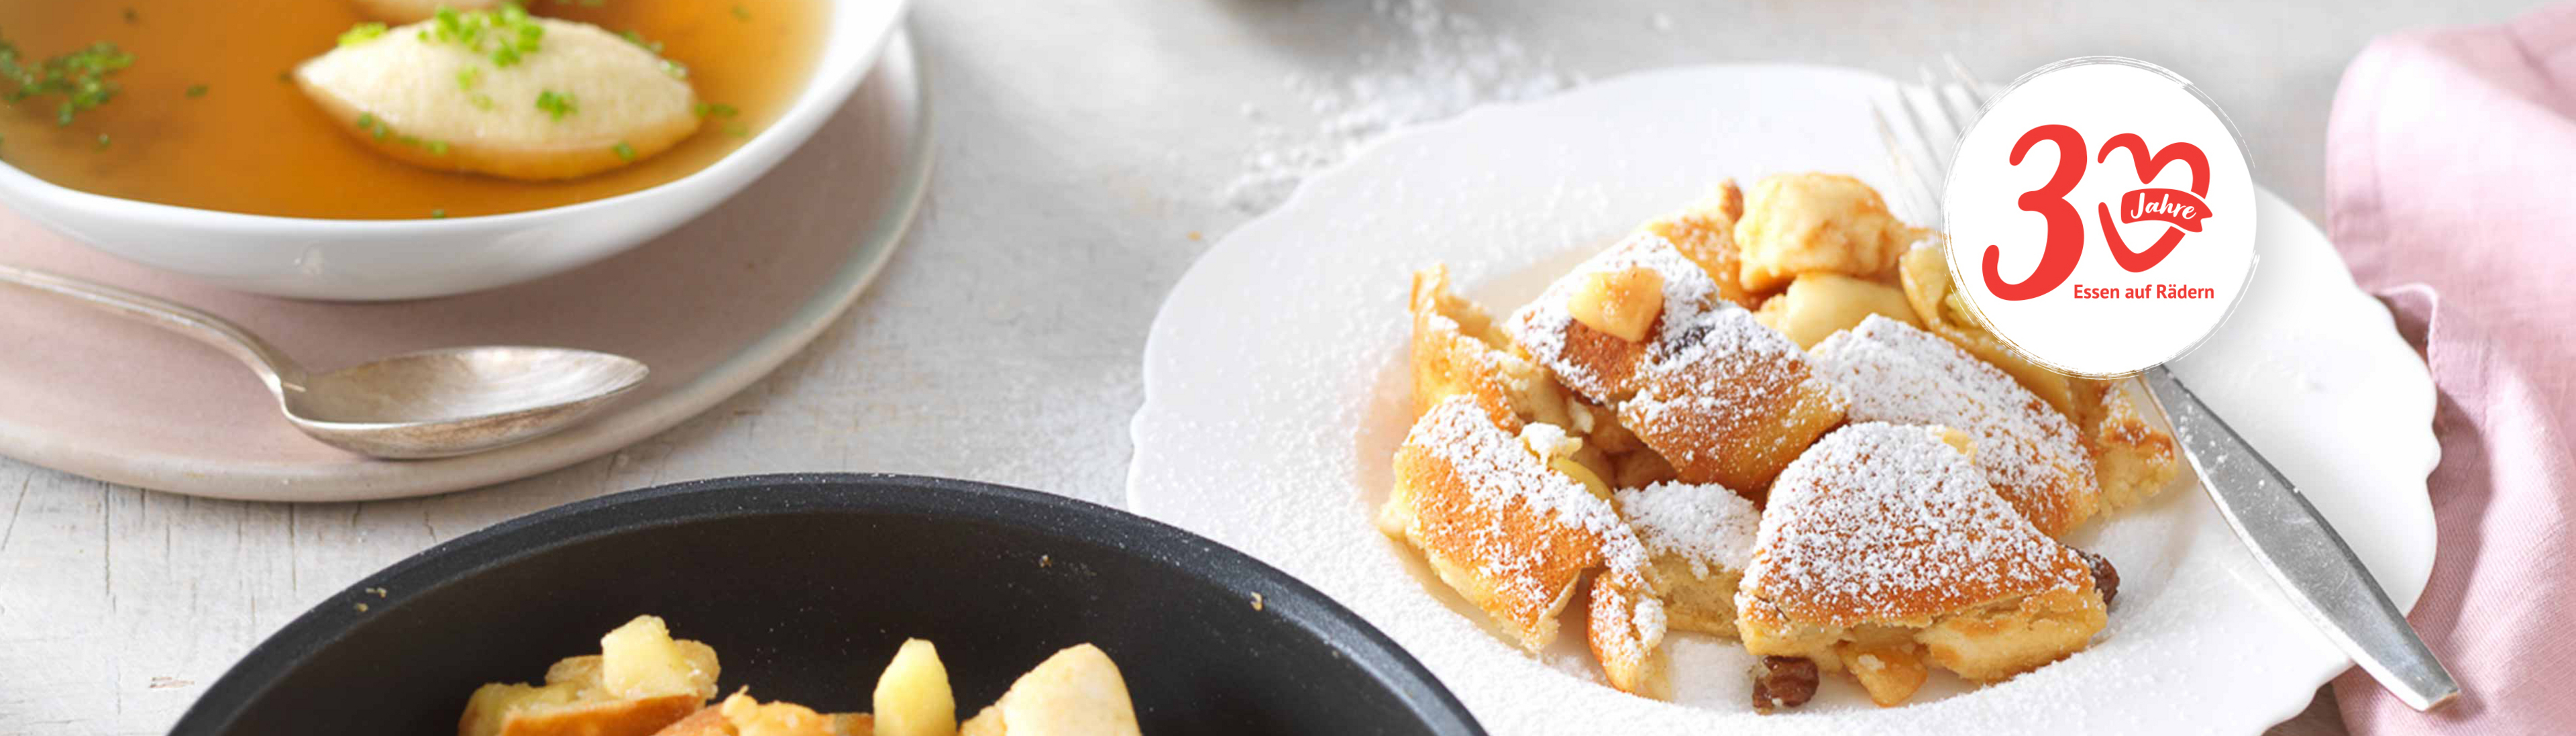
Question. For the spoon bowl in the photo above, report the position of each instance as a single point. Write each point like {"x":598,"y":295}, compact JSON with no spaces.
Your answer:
{"x":456,"y":401}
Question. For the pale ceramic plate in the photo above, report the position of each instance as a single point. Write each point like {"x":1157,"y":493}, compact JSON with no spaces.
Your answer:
{"x":711,"y":307}
{"x":1276,"y":393}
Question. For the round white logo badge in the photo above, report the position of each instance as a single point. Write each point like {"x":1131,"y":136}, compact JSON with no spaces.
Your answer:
{"x":2101,"y":216}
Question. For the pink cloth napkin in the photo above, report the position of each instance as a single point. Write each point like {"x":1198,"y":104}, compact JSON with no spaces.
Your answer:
{"x":2451,"y":178}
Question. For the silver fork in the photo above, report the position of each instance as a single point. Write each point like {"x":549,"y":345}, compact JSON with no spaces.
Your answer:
{"x":2322,"y":577}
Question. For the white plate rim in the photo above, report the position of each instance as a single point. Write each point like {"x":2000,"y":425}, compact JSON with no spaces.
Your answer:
{"x":614,"y":428}
{"x":2414,"y":400}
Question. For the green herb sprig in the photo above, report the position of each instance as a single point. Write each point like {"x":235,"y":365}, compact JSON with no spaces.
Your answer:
{"x":81,"y":78}
{"x":506,"y":35}
{"x":557,"y":104}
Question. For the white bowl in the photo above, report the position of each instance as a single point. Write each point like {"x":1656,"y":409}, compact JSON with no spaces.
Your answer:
{"x":376,"y":260}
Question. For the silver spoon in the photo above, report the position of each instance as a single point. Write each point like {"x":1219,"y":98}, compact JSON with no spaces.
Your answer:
{"x":434,"y":403}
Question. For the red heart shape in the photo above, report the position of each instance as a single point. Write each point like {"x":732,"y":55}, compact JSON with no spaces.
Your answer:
{"x":2148,"y":165}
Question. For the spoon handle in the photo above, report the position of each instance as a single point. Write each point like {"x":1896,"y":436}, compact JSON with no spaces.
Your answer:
{"x":2324,"y":579}
{"x":272,"y":366}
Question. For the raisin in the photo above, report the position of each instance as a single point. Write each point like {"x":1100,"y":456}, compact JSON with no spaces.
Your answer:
{"x":2105,"y":577}
{"x":1782,"y":682}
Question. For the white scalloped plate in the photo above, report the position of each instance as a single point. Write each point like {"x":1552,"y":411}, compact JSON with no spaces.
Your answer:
{"x":1275,"y":394}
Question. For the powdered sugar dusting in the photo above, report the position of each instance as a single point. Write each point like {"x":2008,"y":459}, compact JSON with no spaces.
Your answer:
{"x":1439,"y":64}
{"x":1729,"y":346}
{"x":1276,"y":388}
{"x":1690,"y":301}
{"x":1886,"y":523}
{"x":1499,"y":471}
{"x":1706,"y":525}
{"x":1895,"y":373}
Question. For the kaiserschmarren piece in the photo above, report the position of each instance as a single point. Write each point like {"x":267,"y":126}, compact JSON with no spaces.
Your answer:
{"x":1625,"y":628}
{"x":2030,"y":452}
{"x":1925,"y":273}
{"x":1660,"y":438}
{"x":1458,"y":350}
{"x":1884,"y":551}
{"x":1699,"y":539}
{"x":641,"y":681}
{"x":1719,"y":397}
{"x":1705,"y":233}
{"x":2134,"y":457}
{"x":1809,"y":223}
{"x":1512,"y":535}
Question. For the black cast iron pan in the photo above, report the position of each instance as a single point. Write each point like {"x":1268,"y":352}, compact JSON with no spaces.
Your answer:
{"x":806,"y":584}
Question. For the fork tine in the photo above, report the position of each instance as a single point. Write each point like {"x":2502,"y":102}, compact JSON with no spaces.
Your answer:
{"x":1966,"y":112}
{"x":1921,"y":194}
{"x":1936,"y":133}
{"x":1959,"y":73}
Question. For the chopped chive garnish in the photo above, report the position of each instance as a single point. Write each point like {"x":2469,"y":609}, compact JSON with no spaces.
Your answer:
{"x":505,"y":35}
{"x":741,"y":13}
{"x":196,"y":91}
{"x":481,"y":101}
{"x":81,"y":77}
{"x":624,"y":152}
{"x":737,"y":130}
{"x":557,"y":104}
{"x":362,"y":33}
{"x":717,"y":110}
{"x":438,"y":148}
{"x":376,"y":128}
{"x":467,"y":77}
{"x":438,"y":214}
{"x":636,"y":38}
{"x":677,"y":70}
{"x":103,"y":141}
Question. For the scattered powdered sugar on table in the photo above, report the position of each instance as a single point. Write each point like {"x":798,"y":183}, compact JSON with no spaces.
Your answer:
{"x":1704,"y":524}
{"x":1439,"y":64}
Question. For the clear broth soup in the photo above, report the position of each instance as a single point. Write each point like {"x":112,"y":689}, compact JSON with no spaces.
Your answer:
{"x":209,"y":118}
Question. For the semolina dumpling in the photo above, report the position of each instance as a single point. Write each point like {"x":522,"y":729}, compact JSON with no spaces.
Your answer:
{"x":414,"y":11}
{"x":503,"y":93}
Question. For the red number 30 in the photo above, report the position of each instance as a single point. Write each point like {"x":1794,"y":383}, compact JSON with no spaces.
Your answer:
{"x":2065,"y":223}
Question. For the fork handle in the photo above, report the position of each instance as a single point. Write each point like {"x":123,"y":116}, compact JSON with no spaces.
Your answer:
{"x":2301,"y":551}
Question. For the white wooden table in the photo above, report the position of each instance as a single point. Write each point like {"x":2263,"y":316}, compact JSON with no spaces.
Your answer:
{"x":1086,"y":155}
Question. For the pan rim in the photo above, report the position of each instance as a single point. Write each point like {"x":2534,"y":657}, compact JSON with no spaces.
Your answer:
{"x":458,"y":560}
